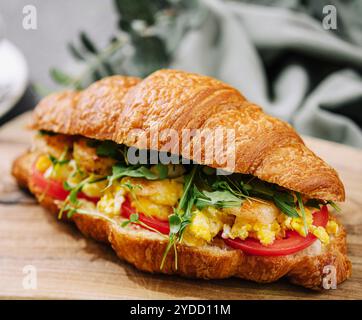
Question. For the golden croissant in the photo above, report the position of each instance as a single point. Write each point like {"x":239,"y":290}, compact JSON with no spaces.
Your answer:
{"x":240,"y":196}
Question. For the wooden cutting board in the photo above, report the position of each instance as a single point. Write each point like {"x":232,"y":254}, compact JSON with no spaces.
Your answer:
{"x":69,"y":266}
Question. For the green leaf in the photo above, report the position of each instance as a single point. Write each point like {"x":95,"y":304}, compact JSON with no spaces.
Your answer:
{"x":74,"y":193}
{"x":107,"y":149}
{"x":187,"y":186}
{"x":46,"y":133}
{"x":246,"y":188}
{"x":71,"y":212}
{"x":133,"y":217}
{"x":108,"y":68}
{"x":75,"y":52}
{"x":61,"y":77}
{"x":130,"y":10}
{"x":181,"y":217}
{"x":125,"y":223}
{"x":302,"y":210}
{"x":221,"y":185}
{"x":88,"y":43}
{"x":208,"y":170}
{"x":231,"y":187}
{"x":175,"y":223}
{"x":314,"y":203}
{"x":162,"y":171}
{"x":150,"y":54}
{"x":92,"y":143}
{"x":52,"y":159}
{"x":67,"y":186}
{"x":285,"y":197}
{"x":56,"y":161}
{"x":72,"y":197}
{"x":119,"y":171}
{"x":219,"y":199}
{"x":334,"y":205}
{"x":96,"y":75}
{"x":286,"y":208}
{"x":187,"y":216}
{"x":262,"y":189}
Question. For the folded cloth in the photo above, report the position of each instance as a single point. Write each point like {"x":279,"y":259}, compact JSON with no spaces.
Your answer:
{"x":249,"y":45}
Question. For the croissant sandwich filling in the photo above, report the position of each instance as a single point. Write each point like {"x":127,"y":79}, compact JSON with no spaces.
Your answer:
{"x":188,"y":204}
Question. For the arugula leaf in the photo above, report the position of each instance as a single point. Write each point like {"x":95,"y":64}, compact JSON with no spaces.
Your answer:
{"x":287,"y":208}
{"x":302,"y":210}
{"x":314,"y":203}
{"x":219,"y":199}
{"x":262,"y":189}
{"x":107,"y":149}
{"x":162,"y":171}
{"x":56,"y":161}
{"x":187,"y":216}
{"x":175,"y":223}
{"x":284,"y":200}
{"x":189,"y":178}
{"x":119,"y":171}
{"x":221,"y":185}
{"x":208,"y":170}
{"x":181,"y":216}
{"x":133,"y":218}
{"x":47,"y":133}
{"x":334,"y":205}
{"x":67,"y":186}
{"x":72,"y":198}
{"x":245,"y":187}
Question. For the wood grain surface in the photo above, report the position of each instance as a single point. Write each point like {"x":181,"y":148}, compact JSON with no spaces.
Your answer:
{"x":69,"y":266}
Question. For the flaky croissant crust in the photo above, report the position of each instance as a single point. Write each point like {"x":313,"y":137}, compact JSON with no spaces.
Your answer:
{"x":266,"y":147}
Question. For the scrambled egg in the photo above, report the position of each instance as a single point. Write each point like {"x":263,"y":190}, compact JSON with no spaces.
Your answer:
{"x":205,"y":225}
{"x":112,"y":200}
{"x":56,"y":172}
{"x":258,"y":219}
{"x":155,"y":198}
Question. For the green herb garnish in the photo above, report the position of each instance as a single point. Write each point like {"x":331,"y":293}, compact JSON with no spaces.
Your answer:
{"x":334,"y":205}
{"x":302,"y":210}
{"x":107,"y":149}
{"x":119,"y":171}
{"x":47,"y":133}
{"x":59,"y":161}
{"x":72,"y":198}
{"x":181,"y":217}
{"x":285,"y":202}
{"x":314,"y":203}
{"x":133,"y":218}
{"x":218,"y":199}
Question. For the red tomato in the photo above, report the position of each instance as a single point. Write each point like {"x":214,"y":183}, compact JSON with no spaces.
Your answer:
{"x":55,"y":188}
{"x":293,"y":242}
{"x":160,"y":225}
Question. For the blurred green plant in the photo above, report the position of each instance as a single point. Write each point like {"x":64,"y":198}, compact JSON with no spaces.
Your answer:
{"x":147,"y":36}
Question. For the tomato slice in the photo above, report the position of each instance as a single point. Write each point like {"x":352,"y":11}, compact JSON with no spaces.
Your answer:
{"x":292,"y":243}
{"x":160,"y":225}
{"x":55,"y":189}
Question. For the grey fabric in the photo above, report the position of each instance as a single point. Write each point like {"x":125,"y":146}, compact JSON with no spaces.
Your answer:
{"x":236,"y":40}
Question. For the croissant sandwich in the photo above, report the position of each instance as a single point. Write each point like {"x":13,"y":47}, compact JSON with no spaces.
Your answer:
{"x":180,"y":174}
